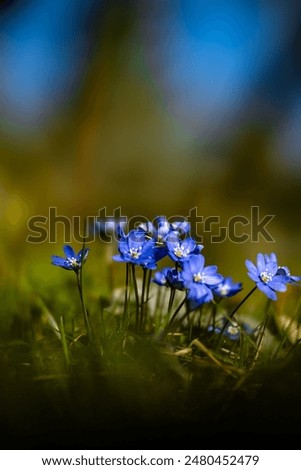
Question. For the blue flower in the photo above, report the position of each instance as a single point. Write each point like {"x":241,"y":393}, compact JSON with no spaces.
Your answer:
{"x":232,"y":330}
{"x":162,"y":231}
{"x":180,"y":228}
{"x":227,"y":288}
{"x":169,"y":277}
{"x":199,"y":280}
{"x":266,"y":275}
{"x":73,"y":261}
{"x":284,"y":271}
{"x":179,"y":250}
{"x":135,"y":248}
{"x":157,"y":235}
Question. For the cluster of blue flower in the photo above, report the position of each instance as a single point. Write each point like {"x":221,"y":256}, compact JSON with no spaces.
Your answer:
{"x":149,"y":243}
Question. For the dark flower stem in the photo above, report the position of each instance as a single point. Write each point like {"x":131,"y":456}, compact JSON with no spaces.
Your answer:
{"x":148,"y":282}
{"x":171,"y":299}
{"x":142,"y":304}
{"x":79,"y":277}
{"x":171,"y":321}
{"x":260,"y":341}
{"x":126,"y":294}
{"x":136,"y":297}
{"x":243,"y":301}
{"x":212,"y":318}
{"x":233,"y":313}
{"x":293,"y":347}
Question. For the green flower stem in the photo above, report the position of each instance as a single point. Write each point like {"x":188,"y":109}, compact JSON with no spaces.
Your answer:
{"x":148,"y":282}
{"x":171,"y":299}
{"x":158,"y":310}
{"x":142,"y":304}
{"x":260,"y":341}
{"x":85,"y":312}
{"x":212,"y":317}
{"x":293,"y":347}
{"x":64,"y":343}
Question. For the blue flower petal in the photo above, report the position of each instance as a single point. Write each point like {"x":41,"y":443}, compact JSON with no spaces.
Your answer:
{"x":254,"y":278}
{"x":210,"y":270}
{"x":251,"y":267}
{"x":196,"y":263}
{"x":295,"y":279}
{"x":213,"y":280}
{"x":82,"y":255}
{"x":186,"y":275}
{"x":69,"y":252}
{"x":160,"y":252}
{"x":272,"y":258}
{"x":120,"y":232}
{"x":189,"y":244}
{"x":277,"y":285}
{"x":198,"y":248}
{"x":272,"y":268}
{"x":58,"y":261}
{"x":260,"y":262}
{"x":160,"y":277}
{"x":123,"y":246}
{"x":267,"y":291}
{"x":118,"y":258}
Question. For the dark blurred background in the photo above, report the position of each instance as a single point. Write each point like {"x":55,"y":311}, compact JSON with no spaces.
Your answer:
{"x":157,"y":107}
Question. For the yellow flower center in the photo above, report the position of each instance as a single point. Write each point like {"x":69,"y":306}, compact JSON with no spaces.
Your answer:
{"x":135,"y":252}
{"x":266,"y":277}
{"x":179,"y":252}
{"x":197,"y":277}
{"x":73,"y":262}
{"x":233,"y":330}
{"x":224,"y":290}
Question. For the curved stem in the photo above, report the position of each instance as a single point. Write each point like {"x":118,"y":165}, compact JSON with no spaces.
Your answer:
{"x":167,"y":328}
{"x":233,"y":313}
{"x":260,"y":341}
{"x":171,"y":299}
{"x":243,"y":301}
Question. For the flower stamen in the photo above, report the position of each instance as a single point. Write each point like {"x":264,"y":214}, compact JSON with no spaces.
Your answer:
{"x":73,"y":262}
{"x":266,"y":277}
{"x":197,"y":277}
{"x":135,"y":252}
{"x":180,"y":253}
{"x":224,"y":290}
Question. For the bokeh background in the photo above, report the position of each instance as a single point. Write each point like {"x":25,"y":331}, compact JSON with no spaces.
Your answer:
{"x":155,"y":107}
